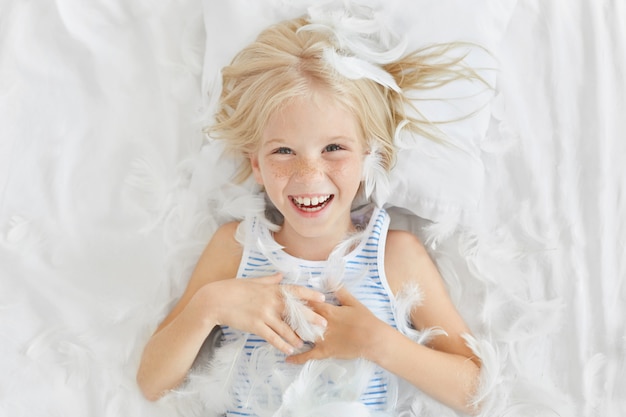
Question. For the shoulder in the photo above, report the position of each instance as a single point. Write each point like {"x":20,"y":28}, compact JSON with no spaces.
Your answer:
{"x":401,"y":243}
{"x":405,"y":256}
{"x":219,"y":260}
{"x":223,"y":253}
{"x":226,"y":234}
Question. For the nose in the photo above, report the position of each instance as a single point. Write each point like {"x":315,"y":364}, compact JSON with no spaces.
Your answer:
{"x":307,"y":170}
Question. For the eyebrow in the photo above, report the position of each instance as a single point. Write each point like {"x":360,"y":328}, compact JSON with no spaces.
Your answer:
{"x":330,"y":139}
{"x":274,"y":140}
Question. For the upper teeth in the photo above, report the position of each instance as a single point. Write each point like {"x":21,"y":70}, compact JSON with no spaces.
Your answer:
{"x":313,"y":201}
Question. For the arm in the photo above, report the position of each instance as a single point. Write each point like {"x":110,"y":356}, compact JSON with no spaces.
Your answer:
{"x":445,"y":369}
{"x":213,"y":298}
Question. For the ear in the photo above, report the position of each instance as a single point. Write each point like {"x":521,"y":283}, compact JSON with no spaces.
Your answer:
{"x":256,"y":170}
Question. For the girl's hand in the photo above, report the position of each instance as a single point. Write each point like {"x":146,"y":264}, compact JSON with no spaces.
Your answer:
{"x":256,"y":305}
{"x":353,"y":331}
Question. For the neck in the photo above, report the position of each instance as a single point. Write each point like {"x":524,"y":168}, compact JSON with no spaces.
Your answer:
{"x":313,"y":248}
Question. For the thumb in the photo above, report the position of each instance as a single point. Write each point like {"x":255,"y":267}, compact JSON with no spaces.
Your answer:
{"x":302,"y":358}
{"x":270,"y":279}
{"x":345,"y":298}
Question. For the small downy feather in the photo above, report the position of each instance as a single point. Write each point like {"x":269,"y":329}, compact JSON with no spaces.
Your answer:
{"x":375,"y":178}
{"x":409,"y":297}
{"x":296,"y":317}
{"x":335,"y":271}
{"x":286,"y":265}
{"x":403,"y":138}
{"x":490,"y":373}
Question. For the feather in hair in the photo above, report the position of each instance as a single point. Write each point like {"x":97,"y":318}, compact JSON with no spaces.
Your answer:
{"x":356,"y":68}
{"x":359,"y":30}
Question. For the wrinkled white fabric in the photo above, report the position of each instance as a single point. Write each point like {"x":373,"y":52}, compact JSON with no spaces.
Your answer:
{"x":107,"y":196}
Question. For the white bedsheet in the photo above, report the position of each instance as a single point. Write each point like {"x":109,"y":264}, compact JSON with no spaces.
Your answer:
{"x":100,"y":104}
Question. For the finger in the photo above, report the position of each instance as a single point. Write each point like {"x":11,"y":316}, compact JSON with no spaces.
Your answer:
{"x":286,"y":333}
{"x":310,"y":316}
{"x":306,"y":294}
{"x":314,"y":317}
{"x":321,"y":309}
{"x":274,"y":339}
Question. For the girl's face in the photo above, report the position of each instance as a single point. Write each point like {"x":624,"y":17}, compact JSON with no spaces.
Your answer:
{"x":310,"y":162}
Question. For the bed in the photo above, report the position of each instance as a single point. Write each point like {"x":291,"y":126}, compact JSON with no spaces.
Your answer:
{"x":104,"y":202}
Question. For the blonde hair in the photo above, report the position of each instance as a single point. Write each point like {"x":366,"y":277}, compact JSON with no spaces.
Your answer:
{"x":285,"y":63}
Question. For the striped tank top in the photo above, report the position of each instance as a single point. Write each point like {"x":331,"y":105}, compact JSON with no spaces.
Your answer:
{"x":262,"y":383}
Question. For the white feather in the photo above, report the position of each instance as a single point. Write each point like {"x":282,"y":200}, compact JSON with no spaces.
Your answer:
{"x":150,"y":190}
{"x":296,"y":312}
{"x":403,"y":138}
{"x":492,"y":362}
{"x":238,"y":203}
{"x":375,"y":176}
{"x":335,"y":274}
{"x":267,"y":379}
{"x":409,"y":297}
{"x":359,"y":29}
{"x":287,"y":265}
{"x":210,"y":385}
{"x":315,"y":392}
{"x":356,"y":68}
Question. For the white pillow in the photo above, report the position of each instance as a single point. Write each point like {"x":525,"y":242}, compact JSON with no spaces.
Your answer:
{"x":432,"y":180}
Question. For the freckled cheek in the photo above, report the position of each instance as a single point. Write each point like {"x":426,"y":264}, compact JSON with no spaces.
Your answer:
{"x":284,"y":170}
{"x":340,"y":170}
{"x":346,"y":170}
{"x":279,"y":170}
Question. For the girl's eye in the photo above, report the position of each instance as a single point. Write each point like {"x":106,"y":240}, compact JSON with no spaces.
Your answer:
{"x":283,"y":151}
{"x":332,"y":148}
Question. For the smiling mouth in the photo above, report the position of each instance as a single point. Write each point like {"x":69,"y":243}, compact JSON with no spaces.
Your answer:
{"x":311,"y":204}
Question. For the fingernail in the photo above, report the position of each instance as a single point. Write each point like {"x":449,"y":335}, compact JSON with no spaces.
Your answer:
{"x":322,"y":298}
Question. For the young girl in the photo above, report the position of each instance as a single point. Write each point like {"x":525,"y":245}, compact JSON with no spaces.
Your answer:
{"x":322,"y":308}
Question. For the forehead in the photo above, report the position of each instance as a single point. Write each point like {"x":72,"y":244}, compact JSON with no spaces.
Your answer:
{"x":314,"y":115}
